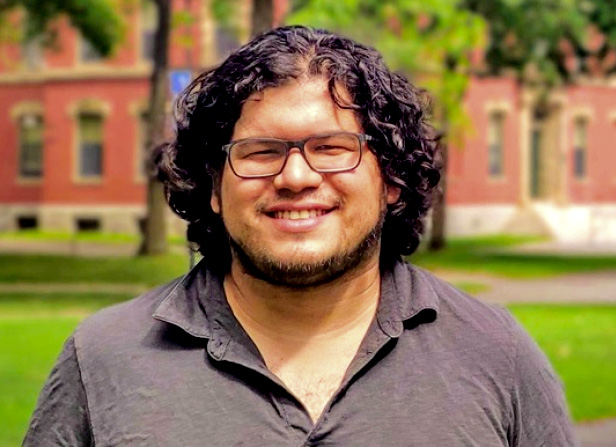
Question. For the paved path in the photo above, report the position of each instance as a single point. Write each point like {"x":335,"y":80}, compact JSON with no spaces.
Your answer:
{"x":597,"y":287}
{"x":597,"y":434}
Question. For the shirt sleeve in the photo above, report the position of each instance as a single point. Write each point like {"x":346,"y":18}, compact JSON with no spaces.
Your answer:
{"x":61,"y":415}
{"x":540,"y":413}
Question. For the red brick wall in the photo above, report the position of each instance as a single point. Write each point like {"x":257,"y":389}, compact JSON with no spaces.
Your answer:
{"x":600,"y":184}
{"x":119,"y":183}
{"x":469,"y":180}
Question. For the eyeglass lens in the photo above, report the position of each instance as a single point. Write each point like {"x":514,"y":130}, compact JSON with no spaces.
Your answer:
{"x":328,"y":153}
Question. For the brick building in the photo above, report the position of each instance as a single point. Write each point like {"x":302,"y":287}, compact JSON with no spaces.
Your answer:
{"x":525,"y":169}
{"x":72,"y":124}
{"x":72,"y":130}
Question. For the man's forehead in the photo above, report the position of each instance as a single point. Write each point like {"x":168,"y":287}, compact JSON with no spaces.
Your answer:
{"x":297,"y":104}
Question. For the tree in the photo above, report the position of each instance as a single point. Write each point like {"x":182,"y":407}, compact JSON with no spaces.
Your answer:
{"x":262,"y":16}
{"x":154,"y":237}
{"x":97,"y":20}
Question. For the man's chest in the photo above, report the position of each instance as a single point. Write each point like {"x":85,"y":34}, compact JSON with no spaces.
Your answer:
{"x":196,"y":400}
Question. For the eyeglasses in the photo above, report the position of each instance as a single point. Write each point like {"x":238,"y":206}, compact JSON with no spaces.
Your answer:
{"x":266,"y":157}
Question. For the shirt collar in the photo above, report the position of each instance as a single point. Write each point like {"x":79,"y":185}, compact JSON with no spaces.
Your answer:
{"x":198,"y":306}
{"x":191,"y":302}
{"x":407,"y":298}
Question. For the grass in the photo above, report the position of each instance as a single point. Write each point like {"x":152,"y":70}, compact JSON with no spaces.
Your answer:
{"x":33,"y":328}
{"x":81,"y":236}
{"x":67,"y":269}
{"x":487,"y":255}
{"x":579,"y":340}
{"x":581,"y":344}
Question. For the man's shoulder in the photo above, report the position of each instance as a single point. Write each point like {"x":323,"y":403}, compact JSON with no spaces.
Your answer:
{"x":463,"y":322}
{"x":454,"y":305}
{"x":124,"y":320}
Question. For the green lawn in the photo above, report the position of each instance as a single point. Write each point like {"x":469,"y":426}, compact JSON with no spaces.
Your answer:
{"x":580,"y":341}
{"x":69,"y":269}
{"x":81,"y":236}
{"x":33,"y":328}
{"x":488,"y":255}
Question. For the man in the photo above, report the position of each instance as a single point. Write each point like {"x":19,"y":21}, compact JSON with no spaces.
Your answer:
{"x":303,"y":167}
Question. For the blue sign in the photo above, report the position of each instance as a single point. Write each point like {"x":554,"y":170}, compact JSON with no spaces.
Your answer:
{"x":178,"y":81}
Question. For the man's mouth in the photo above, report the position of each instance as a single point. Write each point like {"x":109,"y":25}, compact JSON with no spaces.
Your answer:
{"x":298,"y":214}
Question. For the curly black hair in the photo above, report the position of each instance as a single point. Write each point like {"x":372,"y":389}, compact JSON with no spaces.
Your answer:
{"x":388,"y":107}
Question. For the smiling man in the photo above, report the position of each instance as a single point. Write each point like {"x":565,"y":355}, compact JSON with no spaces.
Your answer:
{"x":304,"y":168}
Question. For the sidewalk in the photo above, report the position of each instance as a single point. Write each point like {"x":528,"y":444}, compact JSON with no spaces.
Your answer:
{"x":596,"y":287}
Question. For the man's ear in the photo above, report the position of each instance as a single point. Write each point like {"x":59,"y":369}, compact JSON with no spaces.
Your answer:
{"x":392,"y":194}
{"x":215,"y":202}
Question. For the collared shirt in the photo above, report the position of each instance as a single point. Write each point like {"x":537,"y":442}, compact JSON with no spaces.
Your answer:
{"x":436,"y":368}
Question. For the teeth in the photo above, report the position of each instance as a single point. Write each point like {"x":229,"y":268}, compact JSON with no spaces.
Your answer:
{"x":296,"y":215}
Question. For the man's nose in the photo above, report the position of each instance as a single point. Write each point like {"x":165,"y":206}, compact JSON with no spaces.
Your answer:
{"x":297,"y":173}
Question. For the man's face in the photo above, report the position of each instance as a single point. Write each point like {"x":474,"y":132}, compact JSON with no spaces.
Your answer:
{"x":300,"y":227}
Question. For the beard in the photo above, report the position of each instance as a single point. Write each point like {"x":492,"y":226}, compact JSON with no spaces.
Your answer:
{"x":261,"y":265}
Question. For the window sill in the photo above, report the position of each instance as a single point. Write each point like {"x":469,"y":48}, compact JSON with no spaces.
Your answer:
{"x":29,"y":181}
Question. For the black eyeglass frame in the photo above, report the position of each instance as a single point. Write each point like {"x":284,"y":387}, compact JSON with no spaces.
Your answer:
{"x":300,"y":144}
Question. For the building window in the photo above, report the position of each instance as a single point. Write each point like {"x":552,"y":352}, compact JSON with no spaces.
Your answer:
{"x":88,"y":224}
{"x":87,"y":53}
{"x":496,"y":143}
{"x":149,"y":23}
{"x":580,"y":147}
{"x":90,"y":145}
{"x":27,"y":222}
{"x":31,"y":146}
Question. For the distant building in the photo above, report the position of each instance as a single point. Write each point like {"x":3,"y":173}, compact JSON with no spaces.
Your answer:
{"x":525,"y":169}
{"x":72,"y":125}
{"x":72,"y":133}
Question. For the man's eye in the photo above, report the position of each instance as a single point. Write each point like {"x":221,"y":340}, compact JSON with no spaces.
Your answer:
{"x":331,"y":148}
{"x":262,"y":153}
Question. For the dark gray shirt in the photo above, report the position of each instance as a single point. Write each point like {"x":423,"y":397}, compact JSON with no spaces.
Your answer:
{"x":436,"y":368}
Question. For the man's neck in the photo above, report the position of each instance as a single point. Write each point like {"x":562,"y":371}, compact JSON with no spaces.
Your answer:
{"x":307,"y":337}
{"x":302,"y":314}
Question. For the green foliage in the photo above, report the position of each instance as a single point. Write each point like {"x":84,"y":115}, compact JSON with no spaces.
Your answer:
{"x":225,"y":13}
{"x":97,"y":20}
{"x":432,"y":41}
{"x":602,"y":13}
{"x":530,"y":32}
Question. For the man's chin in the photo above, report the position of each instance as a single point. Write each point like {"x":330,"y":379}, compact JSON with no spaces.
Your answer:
{"x":306,"y":270}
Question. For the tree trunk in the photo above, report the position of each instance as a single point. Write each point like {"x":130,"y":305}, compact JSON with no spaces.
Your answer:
{"x":438,"y":239}
{"x":262,"y":16}
{"x":154,"y":231}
